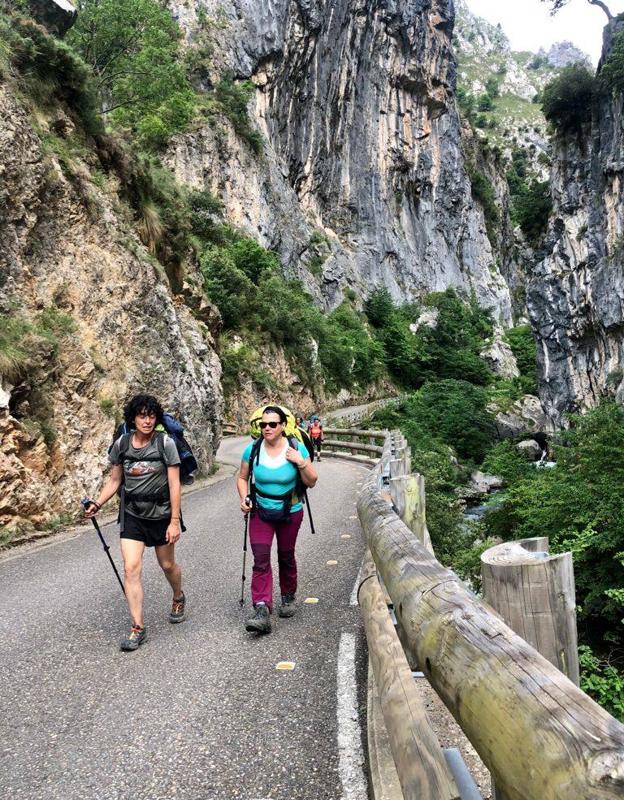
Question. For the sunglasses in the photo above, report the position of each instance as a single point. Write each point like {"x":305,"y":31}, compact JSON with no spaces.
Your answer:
{"x":273,"y":425}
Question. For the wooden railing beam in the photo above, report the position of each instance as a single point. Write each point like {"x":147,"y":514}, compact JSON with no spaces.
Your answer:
{"x":418,"y":756}
{"x":540,"y":736}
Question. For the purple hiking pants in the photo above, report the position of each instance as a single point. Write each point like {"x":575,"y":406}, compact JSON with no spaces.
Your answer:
{"x":261,"y":539}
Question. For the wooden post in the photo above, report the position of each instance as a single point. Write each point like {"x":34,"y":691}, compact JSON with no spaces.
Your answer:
{"x":540,"y":736}
{"x":398,"y":489}
{"x":419,"y":759}
{"x":534,"y":594}
{"x":397,"y":467}
{"x":410,"y":505}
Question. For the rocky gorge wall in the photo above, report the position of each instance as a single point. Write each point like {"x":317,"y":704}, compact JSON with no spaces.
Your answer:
{"x":575,"y":294}
{"x":355,"y":99}
{"x":69,"y":250}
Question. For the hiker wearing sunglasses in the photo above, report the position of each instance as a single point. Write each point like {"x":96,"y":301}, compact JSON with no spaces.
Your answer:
{"x":149,"y":469}
{"x":275,"y":510}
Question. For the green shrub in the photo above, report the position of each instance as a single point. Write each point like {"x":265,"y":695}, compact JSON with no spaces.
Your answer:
{"x":508,"y":462}
{"x":567,"y":100}
{"x":483,"y":192}
{"x":14,"y":346}
{"x":522,"y":343}
{"x":233,"y":99}
{"x":454,"y":411}
{"x":50,"y":71}
{"x":602,"y":681}
{"x":379,"y":307}
{"x":579,"y":505}
{"x":612,"y":72}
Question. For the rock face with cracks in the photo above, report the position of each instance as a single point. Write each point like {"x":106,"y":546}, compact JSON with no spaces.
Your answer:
{"x":575,"y":294}
{"x":355,"y":100}
{"x":68,"y":253}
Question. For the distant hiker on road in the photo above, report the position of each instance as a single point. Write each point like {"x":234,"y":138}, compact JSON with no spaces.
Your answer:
{"x":316,"y":434}
{"x":275,"y":509}
{"x":146,"y":463}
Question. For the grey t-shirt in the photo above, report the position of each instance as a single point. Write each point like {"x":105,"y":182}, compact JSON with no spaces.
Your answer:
{"x":142,"y":475}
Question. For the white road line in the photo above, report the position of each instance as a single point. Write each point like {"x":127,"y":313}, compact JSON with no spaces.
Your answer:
{"x":350,"y":752}
{"x":353,"y":599}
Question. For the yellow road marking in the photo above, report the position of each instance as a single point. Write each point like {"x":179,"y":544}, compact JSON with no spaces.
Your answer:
{"x":331,"y":563}
{"x":311,"y":600}
{"x":285,"y":665}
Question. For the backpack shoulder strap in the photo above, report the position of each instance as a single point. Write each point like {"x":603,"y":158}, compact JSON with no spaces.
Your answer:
{"x":124,"y":445}
{"x":254,"y":455}
{"x":160,"y":441}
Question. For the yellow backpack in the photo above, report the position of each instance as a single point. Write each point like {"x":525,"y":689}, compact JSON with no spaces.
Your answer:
{"x":291,"y":428}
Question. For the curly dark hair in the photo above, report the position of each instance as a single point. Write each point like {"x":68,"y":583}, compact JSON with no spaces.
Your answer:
{"x":142,"y":402}
{"x":276,"y":410}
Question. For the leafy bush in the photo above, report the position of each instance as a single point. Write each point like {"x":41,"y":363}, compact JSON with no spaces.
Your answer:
{"x":522,"y":343}
{"x":349,"y":355}
{"x":602,"y":681}
{"x":568,"y":99}
{"x":233,"y":99}
{"x":579,"y":505}
{"x":379,"y":307}
{"x":49,"y":69}
{"x":530,"y":199}
{"x":245,"y":282}
{"x":508,"y":462}
{"x":483,"y":192}
{"x":456,"y":411}
{"x":612,"y":72}
{"x":448,"y":349}
{"x":14,"y":346}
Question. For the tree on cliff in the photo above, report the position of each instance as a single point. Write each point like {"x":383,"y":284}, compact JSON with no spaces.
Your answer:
{"x":132,"y":48}
{"x":557,"y":4}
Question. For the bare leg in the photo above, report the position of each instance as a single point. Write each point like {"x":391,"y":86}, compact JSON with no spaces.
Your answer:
{"x":132,"y":552}
{"x":166,"y":558}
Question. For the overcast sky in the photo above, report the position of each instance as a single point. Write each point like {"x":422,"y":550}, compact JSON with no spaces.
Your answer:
{"x":529,"y":26}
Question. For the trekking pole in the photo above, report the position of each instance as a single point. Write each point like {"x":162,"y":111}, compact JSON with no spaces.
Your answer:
{"x":84,"y":503}
{"x":307,"y":501}
{"x":242,"y":597}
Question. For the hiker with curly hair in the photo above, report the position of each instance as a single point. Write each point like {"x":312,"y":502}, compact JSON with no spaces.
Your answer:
{"x":276,"y":510}
{"x":146,"y":466}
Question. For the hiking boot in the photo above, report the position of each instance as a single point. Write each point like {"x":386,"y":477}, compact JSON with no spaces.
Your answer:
{"x":287,"y":607}
{"x":260,"y":622}
{"x":177,"y":609}
{"x":134,"y":639}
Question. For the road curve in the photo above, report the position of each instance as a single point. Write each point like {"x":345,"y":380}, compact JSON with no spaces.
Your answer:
{"x":200,"y":712}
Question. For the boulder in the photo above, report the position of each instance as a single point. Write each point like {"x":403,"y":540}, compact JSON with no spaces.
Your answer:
{"x":531,"y":448}
{"x":57,"y":16}
{"x":483,"y":483}
{"x":526,"y":416}
{"x":499,"y":358}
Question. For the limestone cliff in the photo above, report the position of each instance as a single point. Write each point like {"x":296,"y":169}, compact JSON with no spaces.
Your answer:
{"x":575,"y":293}
{"x":98,"y":317}
{"x":355,"y":99}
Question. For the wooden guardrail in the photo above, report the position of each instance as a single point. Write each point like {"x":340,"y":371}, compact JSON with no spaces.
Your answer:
{"x":421,"y":767}
{"x":229,"y":429}
{"x":360,"y":434}
{"x":540,"y":736}
{"x":349,"y":444}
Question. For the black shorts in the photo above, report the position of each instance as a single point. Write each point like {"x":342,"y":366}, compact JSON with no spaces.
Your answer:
{"x":152,"y":532}
{"x":317,"y":444}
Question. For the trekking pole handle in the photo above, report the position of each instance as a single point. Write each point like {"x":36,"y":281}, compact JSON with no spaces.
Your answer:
{"x":87,"y":501}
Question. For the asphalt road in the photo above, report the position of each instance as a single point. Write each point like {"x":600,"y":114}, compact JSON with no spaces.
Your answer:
{"x":200,"y":711}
